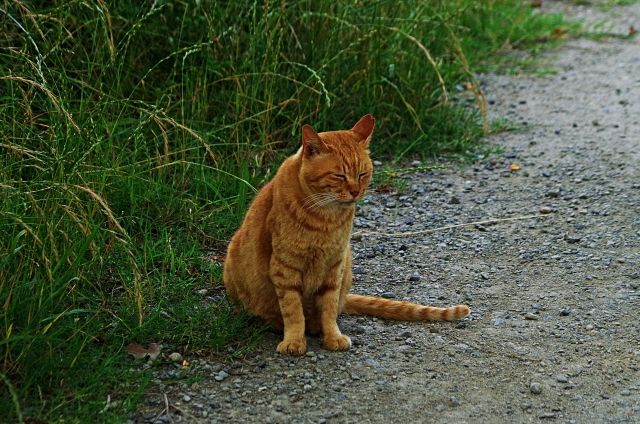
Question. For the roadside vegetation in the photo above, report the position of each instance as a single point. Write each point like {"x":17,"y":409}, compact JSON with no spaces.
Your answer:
{"x":133,"y":135}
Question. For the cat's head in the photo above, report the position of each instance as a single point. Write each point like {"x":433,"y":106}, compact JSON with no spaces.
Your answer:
{"x":336,"y":167}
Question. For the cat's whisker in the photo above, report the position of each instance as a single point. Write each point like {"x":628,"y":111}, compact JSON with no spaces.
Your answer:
{"x":320,"y":204}
{"x":317,"y":200}
{"x":313,"y":197}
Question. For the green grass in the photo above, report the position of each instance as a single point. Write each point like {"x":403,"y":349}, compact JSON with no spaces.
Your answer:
{"x":133,"y":136}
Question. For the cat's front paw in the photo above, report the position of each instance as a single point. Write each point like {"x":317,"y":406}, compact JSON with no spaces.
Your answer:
{"x":337,"y":342}
{"x":292,"y":347}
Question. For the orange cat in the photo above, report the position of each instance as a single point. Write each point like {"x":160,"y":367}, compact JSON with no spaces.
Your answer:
{"x":290,"y":261}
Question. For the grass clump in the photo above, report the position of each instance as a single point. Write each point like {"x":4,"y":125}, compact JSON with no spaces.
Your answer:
{"x":133,"y":135}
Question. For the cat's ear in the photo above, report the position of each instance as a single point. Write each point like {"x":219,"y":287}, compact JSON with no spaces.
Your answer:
{"x":311,"y":142}
{"x":364,"y":127}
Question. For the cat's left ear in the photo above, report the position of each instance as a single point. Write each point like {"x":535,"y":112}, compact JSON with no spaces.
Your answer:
{"x":364,"y":127}
{"x":311,"y":142}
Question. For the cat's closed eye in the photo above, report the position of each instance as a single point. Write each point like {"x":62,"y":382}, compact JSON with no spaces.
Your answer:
{"x":364,"y":174}
{"x":341,"y":176}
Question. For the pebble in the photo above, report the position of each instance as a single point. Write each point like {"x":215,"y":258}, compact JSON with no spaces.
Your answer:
{"x":530,"y":316}
{"x":545,"y":210}
{"x":186,"y":398}
{"x":389,"y":295}
{"x":535,"y":388}
{"x":564,"y":312}
{"x":414,"y":278}
{"x":221,"y":376}
{"x":561,"y":379}
{"x":175,"y":357}
{"x":455,"y":401}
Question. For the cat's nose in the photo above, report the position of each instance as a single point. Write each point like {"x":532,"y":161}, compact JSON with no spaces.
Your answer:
{"x":355,"y":193}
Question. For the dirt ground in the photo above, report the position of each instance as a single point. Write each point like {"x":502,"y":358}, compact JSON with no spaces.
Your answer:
{"x":554,"y":332}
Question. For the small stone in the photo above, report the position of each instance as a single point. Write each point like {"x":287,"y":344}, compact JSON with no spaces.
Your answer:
{"x":360,"y":329}
{"x":454,"y":201}
{"x":404,"y":334}
{"x":389,"y":295}
{"x":484,"y":276}
{"x":354,"y":376}
{"x":391,"y":204}
{"x":176,"y":357}
{"x":564,"y":312}
{"x":530,"y":316}
{"x":454,"y":401}
{"x":545,"y":210}
{"x":414,"y":278}
{"x":377,"y":163}
{"x":358,"y":270}
{"x":625,"y":392}
{"x":548,"y":415}
{"x":535,"y":388}
{"x":186,"y":398}
{"x":561,"y":379}
{"x":221,"y":376}
{"x":553,"y":193}
{"x":203,"y":292}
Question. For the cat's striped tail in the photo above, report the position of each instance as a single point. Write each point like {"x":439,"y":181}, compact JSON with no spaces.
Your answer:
{"x":400,"y":311}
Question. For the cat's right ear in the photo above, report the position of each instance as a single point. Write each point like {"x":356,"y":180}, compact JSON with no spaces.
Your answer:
{"x":311,"y":143}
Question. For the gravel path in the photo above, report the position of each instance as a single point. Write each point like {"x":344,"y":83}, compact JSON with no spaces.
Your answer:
{"x":554,"y":331}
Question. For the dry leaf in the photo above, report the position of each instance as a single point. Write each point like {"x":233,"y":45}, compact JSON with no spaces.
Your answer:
{"x":382,"y":189}
{"x":139,"y":352}
{"x":514,"y":167}
{"x":632,"y":30}
{"x":218,"y":258}
{"x":185,"y":363}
